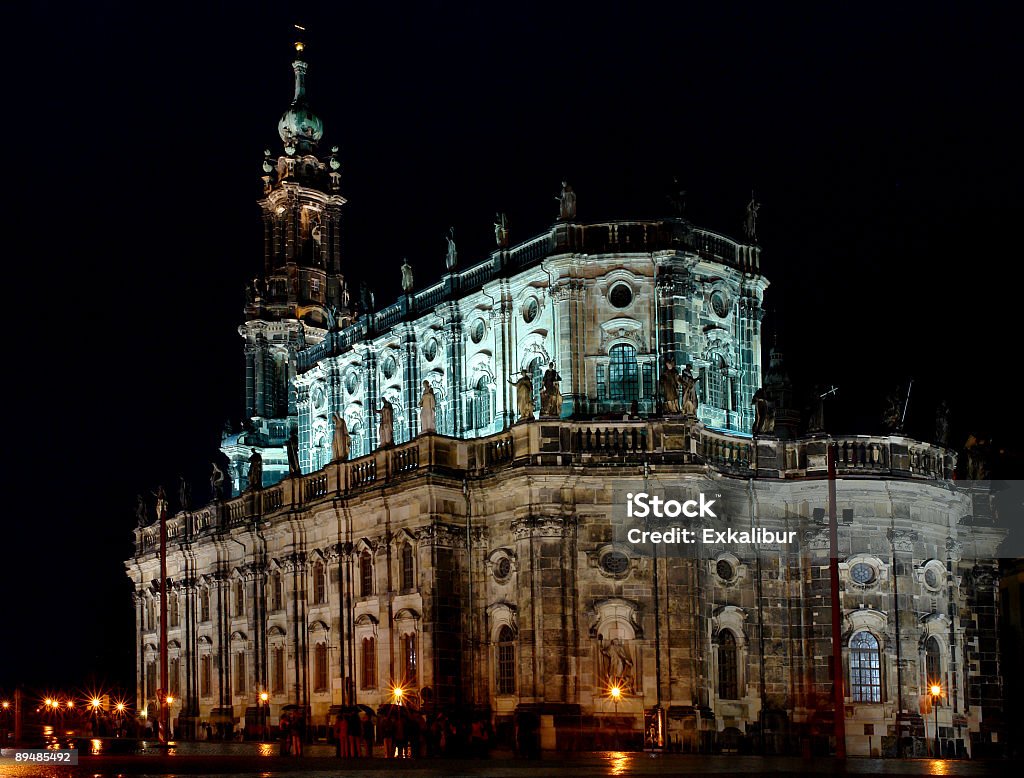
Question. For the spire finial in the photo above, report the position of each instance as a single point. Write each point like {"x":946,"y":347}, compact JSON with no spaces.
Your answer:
{"x":300,"y":46}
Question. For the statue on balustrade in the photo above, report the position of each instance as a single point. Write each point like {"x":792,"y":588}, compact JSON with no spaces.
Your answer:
{"x":942,"y":424}
{"x":501,"y":230}
{"x":256,"y":470}
{"x":406,"y":276}
{"x":161,"y":502}
{"x":184,"y":493}
{"x":764,"y":419}
{"x":750,"y":224}
{"x":341,"y":444}
{"x":216,"y":481}
{"x":550,"y":393}
{"x":977,"y":450}
{"x":669,"y":383}
{"x":566,"y":202}
{"x":524,"y":395}
{"x":292,"y":447}
{"x":386,"y":430}
{"x":453,"y":255}
{"x":140,"y":510}
{"x":428,"y":409}
{"x":688,"y":385}
{"x":892,"y":418}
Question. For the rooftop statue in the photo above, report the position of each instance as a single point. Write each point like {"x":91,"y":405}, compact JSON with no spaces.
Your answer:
{"x":341,"y":444}
{"x":406,"y":276}
{"x":566,"y":202}
{"x":524,"y":395}
{"x":453,"y":254}
{"x":428,"y":409}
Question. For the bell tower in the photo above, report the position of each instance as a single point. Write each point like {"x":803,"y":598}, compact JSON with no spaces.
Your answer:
{"x":301,"y":294}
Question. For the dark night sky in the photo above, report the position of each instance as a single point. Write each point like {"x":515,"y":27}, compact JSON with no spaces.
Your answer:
{"x":881,"y":139}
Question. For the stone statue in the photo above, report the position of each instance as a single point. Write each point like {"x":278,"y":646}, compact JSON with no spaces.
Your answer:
{"x":184,"y":493}
{"x":406,"y":276}
{"x":892,"y":416}
{"x":750,"y":224}
{"x":977,"y":458}
{"x":216,"y":481}
{"x":688,"y":384}
{"x":345,"y":296}
{"x":140,"y":510}
{"x":524,"y":395}
{"x":550,"y":393}
{"x":366,"y":299}
{"x":292,"y":447}
{"x":161,"y":502}
{"x":616,"y":662}
{"x":341,"y":444}
{"x":453,"y":254}
{"x":764,"y":419}
{"x":428,"y":409}
{"x":669,"y":383}
{"x":501,"y":230}
{"x":566,"y":202}
{"x":942,"y":424}
{"x":816,"y":412}
{"x":386,"y":430}
{"x":256,"y":470}
{"x":677,"y":201}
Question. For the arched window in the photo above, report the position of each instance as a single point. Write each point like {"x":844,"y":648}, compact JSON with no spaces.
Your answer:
{"x":150,"y":679}
{"x":932,"y":661}
{"x":276,"y":592}
{"x":150,"y":613}
{"x":728,"y":685}
{"x":205,"y":674}
{"x":239,"y":597}
{"x":537,"y":376}
{"x":865,"y":668}
{"x":174,"y":673}
{"x":319,"y":584}
{"x":623,"y":378}
{"x":369,"y":663}
{"x":204,"y":604}
{"x":320,"y":668}
{"x":716,"y":381}
{"x":506,"y":661}
{"x":240,"y":672}
{"x":480,"y":413}
{"x":172,"y":609}
{"x":409,"y":660}
{"x":365,"y":574}
{"x":408,"y":580}
{"x":277,"y":670}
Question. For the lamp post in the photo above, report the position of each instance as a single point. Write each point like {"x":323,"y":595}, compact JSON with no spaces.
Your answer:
{"x":936,"y":692}
{"x":264,"y":704}
{"x":615,"y":692}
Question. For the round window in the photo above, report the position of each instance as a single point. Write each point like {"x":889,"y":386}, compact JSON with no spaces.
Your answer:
{"x":931,"y":578}
{"x":504,"y":568}
{"x":530,"y":310}
{"x":430,"y":350}
{"x":862,"y":573}
{"x":477,"y":333}
{"x":724,"y":570}
{"x":719,"y":304}
{"x":620,"y":296}
{"x":351,"y":381}
{"x":615,"y":562}
{"x":389,"y":367}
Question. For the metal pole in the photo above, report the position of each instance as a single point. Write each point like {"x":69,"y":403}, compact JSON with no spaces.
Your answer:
{"x":935,"y":707}
{"x":838,"y":701}
{"x":164,"y":708}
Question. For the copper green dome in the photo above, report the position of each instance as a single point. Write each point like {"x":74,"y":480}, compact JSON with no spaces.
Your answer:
{"x":299,"y":126}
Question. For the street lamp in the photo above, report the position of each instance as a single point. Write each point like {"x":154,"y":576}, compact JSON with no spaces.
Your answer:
{"x":265,"y":704}
{"x":936,"y":692}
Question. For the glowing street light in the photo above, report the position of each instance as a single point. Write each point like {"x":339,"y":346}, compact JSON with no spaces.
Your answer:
{"x":95,"y":703}
{"x":170,"y":700}
{"x":71,"y":704}
{"x":264,"y":696}
{"x":398,"y":693}
{"x":936,"y":692}
{"x":615,"y":692}
{"x":119,"y":707}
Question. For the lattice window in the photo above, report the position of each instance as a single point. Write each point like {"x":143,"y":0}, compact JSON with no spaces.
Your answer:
{"x":728,"y":677}
{"x":506,"y":661}
{"x":865,"y":668}
{"x":623,"y":374}
{"x":369,"y":663}
{"x":365,"y":574}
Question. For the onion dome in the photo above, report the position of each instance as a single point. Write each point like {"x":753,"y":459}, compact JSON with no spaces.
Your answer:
{"x":300,"y":128}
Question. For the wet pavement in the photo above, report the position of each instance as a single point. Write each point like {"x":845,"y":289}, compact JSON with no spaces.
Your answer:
{"x":608,"y":763}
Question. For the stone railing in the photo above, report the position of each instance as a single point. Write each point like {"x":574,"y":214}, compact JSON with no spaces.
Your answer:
{"x":556,"y":442}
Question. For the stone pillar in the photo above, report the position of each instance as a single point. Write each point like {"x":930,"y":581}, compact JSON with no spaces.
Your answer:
{"x":569,"y":339}
{"x":409,"y":364}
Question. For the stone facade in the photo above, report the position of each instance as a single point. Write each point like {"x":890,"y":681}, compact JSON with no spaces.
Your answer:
{"x":480,"y":569}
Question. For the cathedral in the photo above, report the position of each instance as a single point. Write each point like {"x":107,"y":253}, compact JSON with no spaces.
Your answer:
{"x":428,"y":506}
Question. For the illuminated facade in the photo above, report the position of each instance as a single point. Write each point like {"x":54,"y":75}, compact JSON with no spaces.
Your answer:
{"x":478,"y":568}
